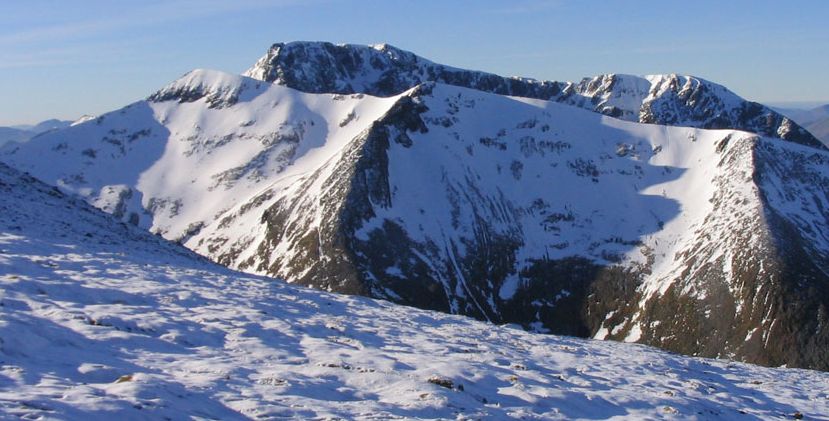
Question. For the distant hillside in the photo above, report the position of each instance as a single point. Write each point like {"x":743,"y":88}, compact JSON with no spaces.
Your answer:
{"x":23,"y":133}
{"x":815,"y":120}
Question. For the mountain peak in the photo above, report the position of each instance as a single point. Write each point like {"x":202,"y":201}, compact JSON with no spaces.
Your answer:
{"x":221,"y":89}
{"x":324,"y":67}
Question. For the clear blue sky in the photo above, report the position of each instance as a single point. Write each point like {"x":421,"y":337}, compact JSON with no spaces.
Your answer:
{"x":61,"y":58}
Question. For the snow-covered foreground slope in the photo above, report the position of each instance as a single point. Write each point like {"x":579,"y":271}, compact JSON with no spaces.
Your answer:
{"x":101,"y":320}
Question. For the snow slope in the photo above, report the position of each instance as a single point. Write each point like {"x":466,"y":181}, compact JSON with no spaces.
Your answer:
{"x":186,"y":168}
{"x":102,"y":320}
{"x":203,"y":171}
{"x":504,"y":208}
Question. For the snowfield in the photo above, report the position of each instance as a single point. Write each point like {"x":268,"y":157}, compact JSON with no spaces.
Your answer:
{"x":100,"y":320}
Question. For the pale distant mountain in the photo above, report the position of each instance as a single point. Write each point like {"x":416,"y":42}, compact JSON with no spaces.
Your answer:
{"x":11,"y":134}
{"x":820,"y":129}
{"x":52,"y":124}
{"x":815,"y":120}
{"x":22,"y":133}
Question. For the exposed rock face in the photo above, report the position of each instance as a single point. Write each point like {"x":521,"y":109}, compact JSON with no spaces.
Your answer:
{"x":675,"y":100}
{"x":751,"y":285}
{"x":507,"y":209}
{"x":383,"y":70}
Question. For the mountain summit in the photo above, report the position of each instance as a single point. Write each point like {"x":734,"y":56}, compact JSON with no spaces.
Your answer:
{"x":384,"y":70}
{"x":468,"y":194}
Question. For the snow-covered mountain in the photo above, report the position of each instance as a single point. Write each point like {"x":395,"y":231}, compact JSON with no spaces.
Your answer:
{"x":383,"y":70}
{"x":508,"y":209}
{"x":102,"y":320}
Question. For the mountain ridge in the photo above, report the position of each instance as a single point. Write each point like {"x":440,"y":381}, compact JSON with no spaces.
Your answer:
{"x":384,"y":70}
{"x":460,"y":200}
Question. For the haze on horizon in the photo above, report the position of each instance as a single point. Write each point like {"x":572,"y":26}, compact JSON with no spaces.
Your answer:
{"x":61,"y":60}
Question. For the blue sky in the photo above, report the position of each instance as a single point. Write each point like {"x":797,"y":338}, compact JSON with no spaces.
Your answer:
{"x":62,"y":58}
